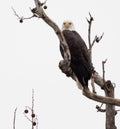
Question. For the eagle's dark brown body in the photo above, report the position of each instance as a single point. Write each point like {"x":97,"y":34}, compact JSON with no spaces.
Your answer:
{"x":80,"y":59}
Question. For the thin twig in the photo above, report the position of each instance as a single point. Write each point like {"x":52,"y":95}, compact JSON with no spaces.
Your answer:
{"x":32,"y":107}
{"x":15,"y":13}
{"x":21,"y":18}
{"x":97,"y":39}
{"x":28,"y":118}
{"x":99,"y":108}
{"x":101,"y":105}
{"x":14,"y":120}
{"x":89,"y":33}
{"x":103,"y":68}
{"x":33,"y":100}
{"x":36,"y":122}
{"x":93,"y":42}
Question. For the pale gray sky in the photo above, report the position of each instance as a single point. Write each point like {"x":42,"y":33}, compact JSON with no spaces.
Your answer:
{"x":29,"y":57}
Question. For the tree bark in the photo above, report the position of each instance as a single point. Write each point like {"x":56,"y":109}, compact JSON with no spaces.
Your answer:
{"x":110,"y":109}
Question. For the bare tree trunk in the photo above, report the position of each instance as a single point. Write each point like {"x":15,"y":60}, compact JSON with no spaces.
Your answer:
{"x":110,"y":109}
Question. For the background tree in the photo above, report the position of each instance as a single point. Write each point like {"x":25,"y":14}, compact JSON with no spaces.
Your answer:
{"x":105,"y":85}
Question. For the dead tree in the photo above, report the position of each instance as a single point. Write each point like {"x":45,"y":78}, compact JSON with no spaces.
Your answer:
{"x":29,"y":113}
{"x":64,"y":65}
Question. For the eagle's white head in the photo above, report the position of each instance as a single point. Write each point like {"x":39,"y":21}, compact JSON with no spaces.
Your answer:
{"x":68,"y":25}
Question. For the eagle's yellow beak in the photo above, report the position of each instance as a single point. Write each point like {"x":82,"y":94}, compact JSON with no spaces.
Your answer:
{"x":67,"y":25}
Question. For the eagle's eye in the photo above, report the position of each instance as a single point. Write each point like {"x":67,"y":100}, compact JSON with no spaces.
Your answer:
{"x":64,"y":23}
{"x":70,"y":23}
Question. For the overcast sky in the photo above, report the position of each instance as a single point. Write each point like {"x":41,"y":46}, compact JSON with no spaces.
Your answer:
{"x":29,"y":58}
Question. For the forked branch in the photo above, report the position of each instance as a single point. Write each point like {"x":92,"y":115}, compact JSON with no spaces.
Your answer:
{"x":96,"y":38}
{"x":21,"y":18}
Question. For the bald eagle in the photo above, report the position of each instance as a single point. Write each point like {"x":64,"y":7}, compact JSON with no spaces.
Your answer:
{"x":80,"y":59}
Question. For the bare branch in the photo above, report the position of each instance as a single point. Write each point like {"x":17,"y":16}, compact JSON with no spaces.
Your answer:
{"x":99,"y":38}
{"x":93,"y":42}
{"x":96,"y":39}
{"x":99,"y":108}
{"x":14,"y":118}
{"x":27,"y":117}
{"x":103,"y":68}
{"x":30,"y":115}
{"x":98,"y":98}
{"x":33,"y":115}
{"x":32,"y":107}
{"x":89,"y":30}
{"x":15,"y":13}
{"x":21,"y":18}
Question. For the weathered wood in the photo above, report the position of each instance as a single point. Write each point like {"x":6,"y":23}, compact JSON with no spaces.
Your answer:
{"x":110,"y":109}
